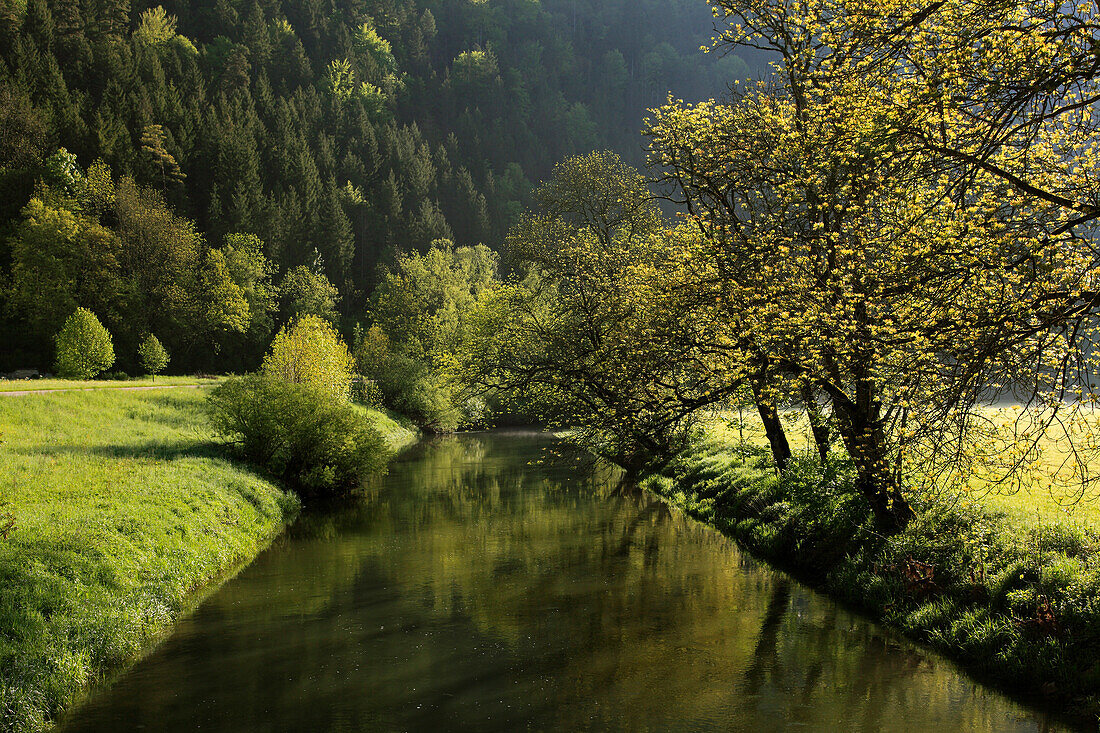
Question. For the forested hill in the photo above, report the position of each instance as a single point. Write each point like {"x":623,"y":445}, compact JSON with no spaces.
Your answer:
{"x":335,"y":132}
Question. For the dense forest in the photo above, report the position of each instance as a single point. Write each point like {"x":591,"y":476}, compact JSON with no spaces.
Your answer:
{"x":205,"y":171}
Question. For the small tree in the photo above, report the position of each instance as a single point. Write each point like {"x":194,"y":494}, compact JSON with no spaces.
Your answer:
{"x":310,"y":351}
{"x":152,"y":355}
{"x":84,"y":347}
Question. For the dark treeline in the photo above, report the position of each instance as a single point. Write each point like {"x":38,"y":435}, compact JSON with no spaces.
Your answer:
{"x":231,"y":164}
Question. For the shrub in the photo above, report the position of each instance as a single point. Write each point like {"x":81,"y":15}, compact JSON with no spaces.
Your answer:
{"x":310,"y":352}
{"x":365,"y":391}
{"x":152,"y":355}
{"x":84,"y":347}
{"x":320,"y":444}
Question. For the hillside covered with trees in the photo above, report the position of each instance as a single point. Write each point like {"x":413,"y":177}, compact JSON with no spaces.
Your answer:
{"x":205,"y":171}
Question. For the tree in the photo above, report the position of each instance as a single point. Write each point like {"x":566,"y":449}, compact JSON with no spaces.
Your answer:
{"x":84,"y":347}
{"x":250,"y":273}
{"x":998,"y":92}
{"x":153,"y":138}
{"x":226,"y":309}
{"x":421,"y":311}
{"x":310,"y":352}
{"x":61,"y":260}
{"x":152,"y":355}
{"x":852,"y":257}
{"x":307,"y":292}
{"x":63,"y":172}
{"x":596,"y":328}
{"x":155,"y":27}
{"x":161,"y":261}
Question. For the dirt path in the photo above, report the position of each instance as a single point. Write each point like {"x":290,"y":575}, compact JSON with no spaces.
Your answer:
{"x":25,"y":392}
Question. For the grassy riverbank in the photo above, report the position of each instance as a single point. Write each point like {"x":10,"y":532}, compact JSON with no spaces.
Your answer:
{"x":1016,"y":603}
{"x":125,"y":509}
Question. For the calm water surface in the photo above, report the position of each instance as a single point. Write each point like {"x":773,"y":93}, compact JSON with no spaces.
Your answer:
{"x":489,"y":583}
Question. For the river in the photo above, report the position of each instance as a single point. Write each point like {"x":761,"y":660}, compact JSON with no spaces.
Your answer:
{"x":504,"y":582}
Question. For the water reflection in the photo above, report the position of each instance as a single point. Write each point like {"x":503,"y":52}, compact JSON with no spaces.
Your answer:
{"x":486,"y":585}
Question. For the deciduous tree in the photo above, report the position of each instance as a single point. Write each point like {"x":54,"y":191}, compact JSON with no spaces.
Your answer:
{"x":855,"y":258}
{"x":152,"y":355}
{"x":84,"y":347}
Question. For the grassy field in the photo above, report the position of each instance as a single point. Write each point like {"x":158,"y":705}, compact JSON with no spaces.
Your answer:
{"x":23,"y":385}
{"x":1043,"y":501}
{"x":123,"y":510}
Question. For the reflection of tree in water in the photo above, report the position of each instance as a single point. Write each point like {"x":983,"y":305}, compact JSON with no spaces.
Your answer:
{"x":629,"y":598}
{"x":484,"y":581}
{"x":765,"y":656}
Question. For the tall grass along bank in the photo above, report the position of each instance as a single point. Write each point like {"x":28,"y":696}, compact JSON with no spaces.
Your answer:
{"x":1016,"y":604}
{"x":117,"y":510}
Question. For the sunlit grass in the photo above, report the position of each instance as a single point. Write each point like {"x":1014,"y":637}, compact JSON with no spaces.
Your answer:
{"x":123,"y":508}
{"x":1049,"y":494}
{"x":398,"y":431}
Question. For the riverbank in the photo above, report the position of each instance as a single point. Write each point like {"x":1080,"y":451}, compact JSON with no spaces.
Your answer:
{"x":120,"y":511}
{"x":1016,"y":605}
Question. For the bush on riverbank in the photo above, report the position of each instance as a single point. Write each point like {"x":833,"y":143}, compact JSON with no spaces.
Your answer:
{"x":123,"y":511}
{"x":302,"y":434}
{"x":1018,"y":607}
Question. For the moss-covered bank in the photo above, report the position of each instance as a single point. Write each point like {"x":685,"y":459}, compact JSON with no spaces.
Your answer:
{"x":1018,"y":607}
{"x":124,"y":511}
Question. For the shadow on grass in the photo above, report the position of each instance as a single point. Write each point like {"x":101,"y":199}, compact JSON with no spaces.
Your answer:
{"x":158,"y":451}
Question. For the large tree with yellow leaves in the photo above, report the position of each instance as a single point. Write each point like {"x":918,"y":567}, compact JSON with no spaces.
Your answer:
{"x":901,"y":215}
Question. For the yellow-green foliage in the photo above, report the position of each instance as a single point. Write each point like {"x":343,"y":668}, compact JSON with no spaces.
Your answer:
{"x":310,"y":352}
{"x":422,"y":310}
{"x":155,"y":28}
{"x":301,"y":433}
{"x":124,"y":509}
{"x":84,"y":347}
{"x":368,"y":42}
{"x":871,"y":217}
{"x":152,"y":355}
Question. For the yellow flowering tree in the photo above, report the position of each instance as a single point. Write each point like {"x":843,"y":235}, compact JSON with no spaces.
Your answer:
{"x":869,"y":244}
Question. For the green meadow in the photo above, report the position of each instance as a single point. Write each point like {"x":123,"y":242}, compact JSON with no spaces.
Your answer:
{"x":1046,"y":499}
{"x":120,"y":511}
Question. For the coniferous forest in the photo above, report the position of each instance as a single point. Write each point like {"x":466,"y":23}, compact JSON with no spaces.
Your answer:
{"x":204,"y":172}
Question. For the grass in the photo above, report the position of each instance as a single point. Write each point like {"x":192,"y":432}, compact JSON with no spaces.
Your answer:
{"x":1007,"y":585}
{"x":1043,"y":501}
{"x":397,"y":430}
{"x":124,"y":511}
{"x":120,"y":510}
{"x":22,"y":385}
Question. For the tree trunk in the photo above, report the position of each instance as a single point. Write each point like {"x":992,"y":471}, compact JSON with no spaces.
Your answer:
{"x":866,"y":442}
{"x":819,"y":423}
{"x":769,"y":415}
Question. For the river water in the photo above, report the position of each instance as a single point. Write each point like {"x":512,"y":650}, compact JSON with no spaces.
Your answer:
{"x":503,"y":582}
